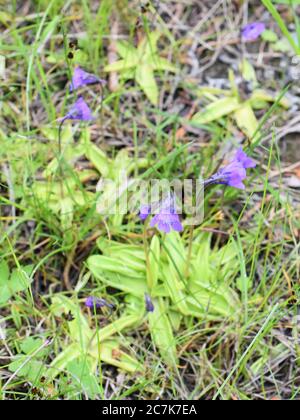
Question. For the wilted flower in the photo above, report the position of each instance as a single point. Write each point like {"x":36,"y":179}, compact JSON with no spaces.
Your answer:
{"x":148,"y":303}
{"x":252,"y":31}
{"x":94,"y":302}
{"x":234,"y":173}
{"x":82,"y":78}
{"x":79,"y":111}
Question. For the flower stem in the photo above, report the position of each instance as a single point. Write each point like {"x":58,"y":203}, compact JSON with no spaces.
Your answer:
{"x":189,"y":256}
{"x":146,"y":249}
{"x":59,"y":158}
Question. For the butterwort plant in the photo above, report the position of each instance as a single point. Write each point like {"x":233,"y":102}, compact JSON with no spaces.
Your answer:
{"x":167,"y":264}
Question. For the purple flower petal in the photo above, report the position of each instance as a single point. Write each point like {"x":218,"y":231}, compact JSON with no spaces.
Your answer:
{"x":253,"y":31}
{"x":145,"y":212}
{"x":164,"y":226}
{"x":177,"y":226}
{"x":167,"y":219}
{"x":82,"y":78}
{"x":79,"y":111}
{"x":167,"y":222}
{"x":155,"y":220}
{"x":233,"y":169}
{"x":245,"y":160}
{"x":236,"y":182}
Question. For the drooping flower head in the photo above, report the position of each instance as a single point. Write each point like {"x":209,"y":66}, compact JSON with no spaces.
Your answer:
{"x":234,"y":173}
{"x":165,"y":219}
{"x":96,"y":303}
{"x":79,"y":111}
{"x":148,"y":303}
{"x":81,"y":78}
{"x":253,"y":31}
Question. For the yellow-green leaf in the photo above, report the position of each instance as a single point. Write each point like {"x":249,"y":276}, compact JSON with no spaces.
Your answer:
{"x":118,"y":326}
{"x":115,"y":276}
{"x":145,"y":78}
{"x":216,"y":110}
{"x":148,"y":46}
{"x":154,"y":258}
{"x":246,"y":120}
{"x":98,"y":158}
{"x":260,"y":96}
{"x":162,"y":334}
{"x":111,"y":352}
{"x":248,"y":71}
{"x":161,"y":64}
{"x":121,"y":65}
{"x":127,"y":51}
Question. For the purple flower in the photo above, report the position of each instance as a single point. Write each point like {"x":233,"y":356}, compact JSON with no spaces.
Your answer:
{"x":252,"y":31}
{"x":234,"y":173}
{"x":93,"y":302}
{"x":167,"y":219}
{"x":79,"y":111}
{"x":148,"y":303}
{"x":82,"y":78}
